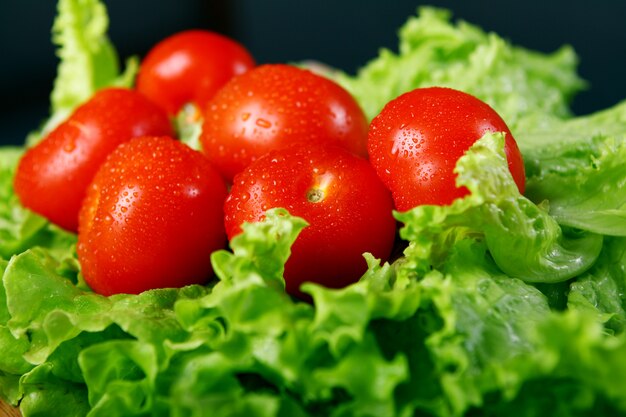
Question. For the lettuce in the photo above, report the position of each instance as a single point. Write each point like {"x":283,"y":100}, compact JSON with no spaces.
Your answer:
{"x":188,"y":124}
{"x":576,"y":168}
{"x":88,"y":60}
{"x":601,"y":290}
{"x":523,"y":239}
{"x":500,"y":304}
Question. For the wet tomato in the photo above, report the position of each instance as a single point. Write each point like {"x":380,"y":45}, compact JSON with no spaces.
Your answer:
{"x":348,"y":209}
{"x":273,"y":106}
{"x":151,"y":218}
{"x":417,"y":139}
{"x":190,"y":66}
{"x":53,"y":175}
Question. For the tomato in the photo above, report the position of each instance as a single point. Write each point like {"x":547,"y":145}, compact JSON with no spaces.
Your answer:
{"x":416,"y":140}
{"x":348,"y":209}
{"x":52,"y":176}
{"x":190,"y":66}
{"x":273,"y":106}
{"x":151,"y":218}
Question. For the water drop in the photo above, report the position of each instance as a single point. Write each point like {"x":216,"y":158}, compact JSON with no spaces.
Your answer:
{"x":70,"y":146}
{"x":263,"y":123}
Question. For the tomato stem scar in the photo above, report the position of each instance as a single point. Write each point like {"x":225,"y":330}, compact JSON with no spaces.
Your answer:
{"x":315,"y":195}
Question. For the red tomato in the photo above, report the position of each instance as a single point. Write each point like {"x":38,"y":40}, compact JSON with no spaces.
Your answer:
{"x":190,"y":66}
{"x":273,"y":106}
{"x":348,"y":209}
{"x":151,"y":218}
{"x":52,"y":176}
{"x":416,"y":140}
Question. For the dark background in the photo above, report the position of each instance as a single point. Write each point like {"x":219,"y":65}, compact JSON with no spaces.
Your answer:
{"x":342,"y":33}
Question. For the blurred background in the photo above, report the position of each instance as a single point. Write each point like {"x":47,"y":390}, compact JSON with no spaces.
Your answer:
{"x":342,"y":33}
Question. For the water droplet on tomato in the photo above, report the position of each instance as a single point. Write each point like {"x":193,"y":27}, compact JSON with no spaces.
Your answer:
{"x":192,"y":191}
{"x":263,"y":123}
{"x":69,"y":146}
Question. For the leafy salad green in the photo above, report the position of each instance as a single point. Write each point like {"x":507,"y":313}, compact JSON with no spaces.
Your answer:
{"x":501,"y":304}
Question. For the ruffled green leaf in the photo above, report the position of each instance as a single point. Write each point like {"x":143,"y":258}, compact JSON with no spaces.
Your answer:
{"x":523,"y":239}
{"x":88,"y":60}
{"x":577,"y":168}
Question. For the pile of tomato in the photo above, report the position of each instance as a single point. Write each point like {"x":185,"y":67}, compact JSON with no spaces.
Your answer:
{"x":149,"y":210}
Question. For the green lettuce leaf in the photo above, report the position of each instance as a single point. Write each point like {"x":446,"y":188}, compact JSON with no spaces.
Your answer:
{"x":523,"y":239}
{"x":188,"y":124}
{"x":46,"y":395}
{"x":88,"y":60}
{"x":576,"y":167}
{"x":515,"y":81}
{"x":602,"y":290}
{"x":48,"y":322}
{"x":486,"y":319}
{"x":483,"y":343}
{"x":577,"y":353}
{"x":552,"y":145}
{"x":12,"y":363}
{"x":274,"y":237}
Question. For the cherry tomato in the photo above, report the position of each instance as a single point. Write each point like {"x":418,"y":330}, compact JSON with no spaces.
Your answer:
{"x":190,"y":66}
{"x":151,"y":218}
{"x":416,"y":140}
{"x":348,"y":209}
{"x":52,"y":176}
{"x":273,"y":106}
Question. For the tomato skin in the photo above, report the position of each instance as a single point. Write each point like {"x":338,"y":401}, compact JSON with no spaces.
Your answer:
{"x":190,"y":66}
{"x":151,"y":218}
{"x":416,"y":140}
{"x":275,"y":105}
{"x":348,"y":209}
{"x":52,"y":176}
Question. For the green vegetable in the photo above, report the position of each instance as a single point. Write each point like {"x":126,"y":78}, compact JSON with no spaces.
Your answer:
{"x":188,"y":123}
{"x":501,"y":304}
{"x":577,"y":168}
{"x":524,"y":241}
{"x":88,"y":60}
